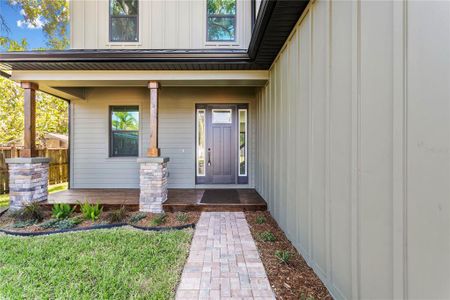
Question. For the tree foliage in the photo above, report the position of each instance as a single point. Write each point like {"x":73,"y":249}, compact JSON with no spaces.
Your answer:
{"x":51,"y":112}
{"x":52,"y":14}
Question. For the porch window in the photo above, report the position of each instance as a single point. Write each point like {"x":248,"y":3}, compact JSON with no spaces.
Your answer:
{"x":124,"y":20}
{"x":201,"y":131}
{"x":124,"y":126}
{"x":221,"y":15}
{"x":242,"y":142}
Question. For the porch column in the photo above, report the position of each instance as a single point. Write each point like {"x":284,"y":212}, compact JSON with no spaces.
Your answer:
{"x":153,"y":168}
{"x":28,"y":174}
{"x":153,"y":151}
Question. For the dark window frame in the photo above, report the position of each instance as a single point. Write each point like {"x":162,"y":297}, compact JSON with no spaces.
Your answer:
{"x":110,"y":130}
{"x":224,"y":16}
{"x":111,"y":17}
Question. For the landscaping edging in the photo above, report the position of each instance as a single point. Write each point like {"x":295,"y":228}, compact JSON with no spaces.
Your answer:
{"x":102,"y":226}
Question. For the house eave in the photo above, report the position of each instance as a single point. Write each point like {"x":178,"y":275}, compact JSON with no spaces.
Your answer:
{"x":274,"y":22}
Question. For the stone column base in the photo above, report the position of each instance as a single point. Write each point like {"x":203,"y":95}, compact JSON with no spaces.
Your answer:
{"x":153,"y":183}
{"x":28,"y":180}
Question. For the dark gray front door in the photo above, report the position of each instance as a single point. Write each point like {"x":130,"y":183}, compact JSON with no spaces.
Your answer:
{"x":221,"y":144}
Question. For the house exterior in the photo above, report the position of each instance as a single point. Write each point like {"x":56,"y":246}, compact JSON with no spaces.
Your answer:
{"x":336,"y":112}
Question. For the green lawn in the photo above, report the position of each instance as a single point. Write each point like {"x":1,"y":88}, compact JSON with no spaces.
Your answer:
{"x":4,"y":199}
{"x":99,"y":264}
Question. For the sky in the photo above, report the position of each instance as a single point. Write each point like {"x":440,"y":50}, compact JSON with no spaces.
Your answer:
{"x":19,"y":28}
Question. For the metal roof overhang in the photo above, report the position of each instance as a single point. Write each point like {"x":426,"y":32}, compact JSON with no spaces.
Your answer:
{"x":275,"y":21}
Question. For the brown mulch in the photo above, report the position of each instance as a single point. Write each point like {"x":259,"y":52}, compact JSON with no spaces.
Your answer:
{"x":294,"y":280}
{"x":7,"y":221}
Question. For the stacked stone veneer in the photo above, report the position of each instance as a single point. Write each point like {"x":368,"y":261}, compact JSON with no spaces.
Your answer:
{"x":153,"y":183}
{"x":28,"y":180}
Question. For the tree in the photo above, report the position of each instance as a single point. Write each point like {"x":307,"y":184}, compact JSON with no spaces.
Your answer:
{"x":52,"y":15}
{"x":51,"y":112}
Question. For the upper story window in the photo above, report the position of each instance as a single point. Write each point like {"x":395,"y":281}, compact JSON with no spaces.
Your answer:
{"x":124,"y":20}
{"x":221,"y":15}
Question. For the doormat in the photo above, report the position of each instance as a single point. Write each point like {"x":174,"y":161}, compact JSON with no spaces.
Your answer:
{"x":222,"y":196}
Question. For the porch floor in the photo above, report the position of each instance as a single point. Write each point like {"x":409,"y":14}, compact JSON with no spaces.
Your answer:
{"x":178,"y":199}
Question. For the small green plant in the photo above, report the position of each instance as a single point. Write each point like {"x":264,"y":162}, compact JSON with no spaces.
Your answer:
{"x":30,"y":212}
{"x":91,"y":211}
{"x":158,"y":219}
{"x":62,"y":210}
{"x":23,"y":224}
{"x":306,"y":297}
{"x":68,"y":223}
{"x":182,"y":217}
{"x":137,"y":217}
{"x":49,"y":224}
{"x":267,"y":236}
{"x":260,"y":219}
{"x":61,"y":223}
{"x":117,"y":215}
{"x":283,"y":256}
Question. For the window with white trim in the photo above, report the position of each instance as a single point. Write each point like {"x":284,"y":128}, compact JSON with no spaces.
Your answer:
{"x":221,"y":20}
{"x":124,"y":20}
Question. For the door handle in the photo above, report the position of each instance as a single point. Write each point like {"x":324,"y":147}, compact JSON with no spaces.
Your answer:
{"x":209,"y":156}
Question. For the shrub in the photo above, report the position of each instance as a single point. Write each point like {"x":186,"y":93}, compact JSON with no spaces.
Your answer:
{"x":283,"y":256}
{"x":182,"y":217}
{"x":23,"y":224}
{"x":260,"y":219}
{"x":137,"y":217}
{"x":61,"y":223}
{"x":158,"y":219}
{"x":68,"y":223}
{"x":91,"y":211}
{"x":30,"y":212}
{"x":117,"y":215}
{"x":49,"y":224}
{"x":267,"y":236}
{"x":62,"y":211}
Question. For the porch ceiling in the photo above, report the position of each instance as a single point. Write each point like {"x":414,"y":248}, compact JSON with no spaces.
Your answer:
{"x":71,"y":84}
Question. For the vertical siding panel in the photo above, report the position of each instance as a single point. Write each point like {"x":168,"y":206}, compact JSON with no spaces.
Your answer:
{"x":318,"y":139}
{"x":428,"y":150}
{"x":157,"y":18}
{"x":303,"y":135}
{"x":340,"y":143}
{"x":376,"y":149}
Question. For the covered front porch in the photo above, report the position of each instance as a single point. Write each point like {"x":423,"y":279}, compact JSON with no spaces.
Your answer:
{"x":177,"y":199}
{"x":164,"y":144}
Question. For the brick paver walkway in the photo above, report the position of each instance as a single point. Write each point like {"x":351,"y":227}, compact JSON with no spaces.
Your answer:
{"x":223,"y":262}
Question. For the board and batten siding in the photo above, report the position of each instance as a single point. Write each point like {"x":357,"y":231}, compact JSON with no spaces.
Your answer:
{"x":353,"y":146}
{"x":91,"y":166}
{"x":163,"y":24}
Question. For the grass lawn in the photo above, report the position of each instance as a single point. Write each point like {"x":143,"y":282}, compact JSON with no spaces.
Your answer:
{"x":4,"y":199}
{"x":99,"y":264}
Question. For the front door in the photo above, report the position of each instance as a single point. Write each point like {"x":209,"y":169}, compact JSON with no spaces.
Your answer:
{"x":217,"y":139}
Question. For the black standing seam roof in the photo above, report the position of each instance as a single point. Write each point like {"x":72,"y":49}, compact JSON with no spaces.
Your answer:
{"x":275,"y":21}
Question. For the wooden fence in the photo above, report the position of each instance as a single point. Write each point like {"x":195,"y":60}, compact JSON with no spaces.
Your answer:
{"x":58,"y":169}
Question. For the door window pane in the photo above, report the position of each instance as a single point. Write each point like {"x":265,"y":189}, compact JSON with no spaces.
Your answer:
{"x":124,"y":20}
{"x":124,"y":122}
{"x":221,"y":116}
{"x":242,"y":142}
{"x":221,"y":20}
{"x":201,"y":123}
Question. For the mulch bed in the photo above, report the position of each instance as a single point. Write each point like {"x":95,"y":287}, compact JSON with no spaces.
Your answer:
{"x":7,"y":221}
{"x":294,"y":280}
